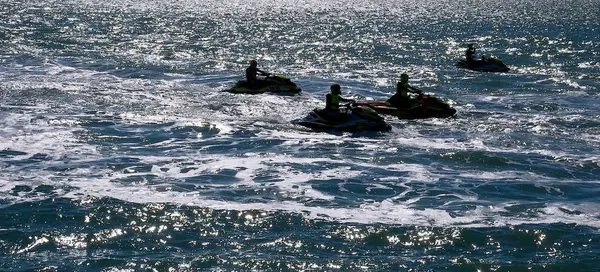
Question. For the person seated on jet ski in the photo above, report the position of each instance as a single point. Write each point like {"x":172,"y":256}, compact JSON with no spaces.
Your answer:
{"x":332,"y":102}
{"x":400,"y":99}
{"x":470,"y":54}
{"x":251,"y":73}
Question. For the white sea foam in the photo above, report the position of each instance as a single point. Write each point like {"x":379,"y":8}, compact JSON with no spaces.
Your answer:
{"x":387,"y":211}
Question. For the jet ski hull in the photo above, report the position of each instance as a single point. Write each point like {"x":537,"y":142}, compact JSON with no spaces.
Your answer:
{"x":352,"y":120}
{"x":487,"y":65}
{"x":424,"y":106}
{"x":271,"y":84}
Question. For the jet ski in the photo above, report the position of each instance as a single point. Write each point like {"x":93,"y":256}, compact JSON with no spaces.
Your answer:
{"x":421,"y":106}
{"x":351,"y":118}
{"x":277,"y":84}
{"x":484,"y":65}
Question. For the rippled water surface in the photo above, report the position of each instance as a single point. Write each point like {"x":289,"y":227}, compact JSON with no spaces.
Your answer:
{"x":119,"y":152}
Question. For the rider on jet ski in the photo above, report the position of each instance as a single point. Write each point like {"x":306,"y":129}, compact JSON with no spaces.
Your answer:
{"x":470,"y":54}
{"x":332,"y":102}
{"x":400,"y":99}
{"x":251,"y":72}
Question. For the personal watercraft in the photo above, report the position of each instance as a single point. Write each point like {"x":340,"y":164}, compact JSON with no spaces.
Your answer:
{"x":421,"y":106}
{"x":350,"y":118}
{"x":484,"y":65}
{"x":269,"y":84}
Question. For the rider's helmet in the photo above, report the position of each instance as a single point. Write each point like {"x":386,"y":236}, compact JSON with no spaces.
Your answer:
{"x":404,"y":77}
{"x":336,"y":89}
{"x":253,"y":63}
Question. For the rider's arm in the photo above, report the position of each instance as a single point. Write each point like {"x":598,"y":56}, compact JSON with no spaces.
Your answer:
{"x":262,"y":72}
{"x":414,"y":90}
{"x":346,"y":99}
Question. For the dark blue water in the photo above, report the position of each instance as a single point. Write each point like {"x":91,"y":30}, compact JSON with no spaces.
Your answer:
{"x":119,"y":152}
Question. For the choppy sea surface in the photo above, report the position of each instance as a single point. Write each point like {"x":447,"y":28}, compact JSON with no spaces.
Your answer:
{"x":119,"y":152}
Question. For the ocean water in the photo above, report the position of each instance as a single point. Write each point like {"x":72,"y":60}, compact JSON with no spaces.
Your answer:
{"x":119,"y":152}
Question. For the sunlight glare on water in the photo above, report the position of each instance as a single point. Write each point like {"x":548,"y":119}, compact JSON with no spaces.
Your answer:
{"x":119,"y":150}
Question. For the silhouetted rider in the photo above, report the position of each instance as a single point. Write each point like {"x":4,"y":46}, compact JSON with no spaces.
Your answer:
{"x":251,"y":73}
